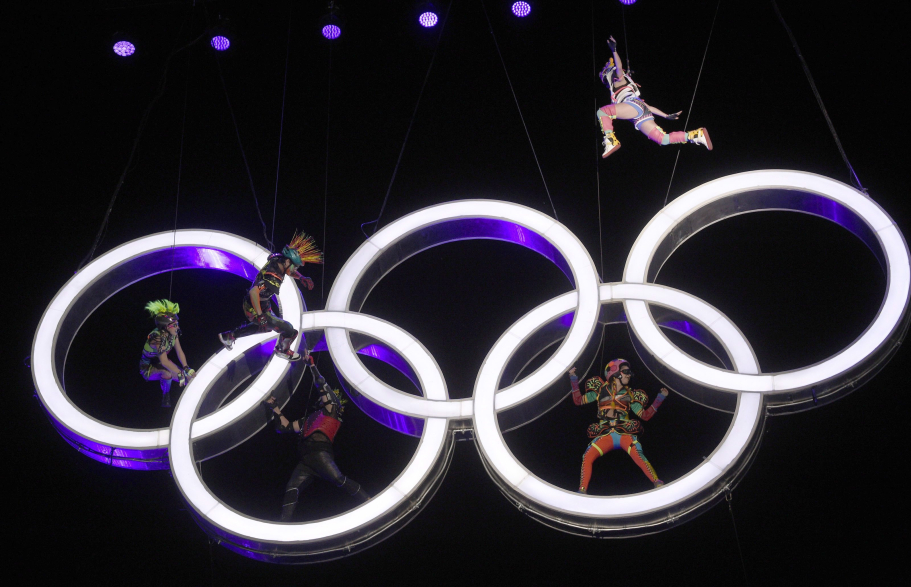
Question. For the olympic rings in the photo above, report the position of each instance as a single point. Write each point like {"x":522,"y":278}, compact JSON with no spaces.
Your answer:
{"x":200,"y":428}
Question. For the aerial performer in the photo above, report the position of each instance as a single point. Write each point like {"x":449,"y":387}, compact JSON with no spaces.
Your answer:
{"x":155,"y":363}
{"x":615,"y":429}
{"x":626,"y":104}
{"x":314,"y":448}
{"x":258,"y":301}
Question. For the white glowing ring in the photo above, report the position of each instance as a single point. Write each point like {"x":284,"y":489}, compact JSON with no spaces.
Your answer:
{"x":183,"y":428}
{"x":51,"y":392}
{"x":502,"y":462}
{"x":436,"y":402}
{"x":889,"y":317}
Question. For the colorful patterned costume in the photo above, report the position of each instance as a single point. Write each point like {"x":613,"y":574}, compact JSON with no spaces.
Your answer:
{"x":154,"y":363}
{"x":615,"y":429}
{"x":158,"y":342}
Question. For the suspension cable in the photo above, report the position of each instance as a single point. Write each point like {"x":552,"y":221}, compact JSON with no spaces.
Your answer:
{"x":693,"y":100}
{"x":728,"y":495}
{"x":597,"y":154}
{"x":522,"y":118}
{"x":243,"y":154}
{"x":281,"y":126}
{"x":183,"y":128}
{"x":822,"y":106}
{"x":322,"y":281}
{"x":376,"y":223}
{"x":162,"y":84}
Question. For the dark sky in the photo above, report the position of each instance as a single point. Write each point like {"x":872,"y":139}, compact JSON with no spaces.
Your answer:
{"x":822,"y":499}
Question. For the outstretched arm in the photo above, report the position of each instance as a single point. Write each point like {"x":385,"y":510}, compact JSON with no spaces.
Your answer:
{"x":640,"y":398}
{"x":283,"y":424}
{"x":580,"y":398}
{"x":662,"y":114}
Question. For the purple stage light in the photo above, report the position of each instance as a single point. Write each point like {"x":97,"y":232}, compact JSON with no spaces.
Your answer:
{"x":627,"y":2}
{"x":220,"y":43}
{"x":521,"y":9}
{"x":124,"y":48}
{"x":331,"y":31}
{"x":428,"y":19}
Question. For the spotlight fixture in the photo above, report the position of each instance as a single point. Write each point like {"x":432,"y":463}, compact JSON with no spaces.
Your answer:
{"x":122,"y":44}
{"x":627,"y":2}
{"x":521,"y":9}
{"x":220,"y":35}
{"x":330,"y":24}
{"x":428,"y":16}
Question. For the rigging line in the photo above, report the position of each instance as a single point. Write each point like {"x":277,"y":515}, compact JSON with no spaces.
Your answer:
{"x":322,"y":281}
{"x":183,"y":127}
{"x":822,"y":107}
{"x":597,"y":154}
{"x":243,"y":153}
{"x":281,"y":127}
{"x":527,"y":134}
{"x":376,"y":223}
{"x":729,"y":497}
{"x":693,"y":100}
{"x":625,"y":38}
{"x":162,"y":84}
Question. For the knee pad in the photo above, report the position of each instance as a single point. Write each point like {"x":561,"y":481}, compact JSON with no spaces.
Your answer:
{"x":657,"y":135}
{"x":610,"y":110}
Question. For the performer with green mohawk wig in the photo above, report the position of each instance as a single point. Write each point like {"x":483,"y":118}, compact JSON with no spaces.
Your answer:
{"x":258,"y":301}
{"x":155,"y":364}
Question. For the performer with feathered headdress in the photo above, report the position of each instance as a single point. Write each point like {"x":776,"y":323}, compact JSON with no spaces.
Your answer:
{"x":258,"y":301}
{"x":155,"y":363}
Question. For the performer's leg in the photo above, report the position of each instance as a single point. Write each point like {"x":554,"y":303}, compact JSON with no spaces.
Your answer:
{"x":164,"y":378}
{"x":287,"y":335}
{"x":328,"y":470}
{"x":300,"y":479}
{"x":657,"y":134}
{"x":630,"y":444}
{"x":596,"y":449}
{"x":606,"y":116}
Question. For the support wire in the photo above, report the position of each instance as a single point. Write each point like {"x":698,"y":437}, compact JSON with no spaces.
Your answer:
{"x":183,"y":128}
{"x":516,"y":100}
{"x":281,"y":126}
{"x":693,"y":100}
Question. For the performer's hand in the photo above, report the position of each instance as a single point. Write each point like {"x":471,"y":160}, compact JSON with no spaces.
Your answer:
{"x":308,"y":282}
{"x":674,"y":116}
{"x":181,"y":378}
{"x":190,"y":373}
{"x":612,"y":44}
{"x":572,"y":371}
{"x":262,"y":319}
{"x":664,"y":392}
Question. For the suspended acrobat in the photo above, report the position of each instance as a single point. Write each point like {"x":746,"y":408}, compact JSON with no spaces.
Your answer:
{"x":155,"y":363}
{"x":615,"y":429}
{"x":258,"y":305}
{"x":627,"y":105}
{"x":317,"y":458}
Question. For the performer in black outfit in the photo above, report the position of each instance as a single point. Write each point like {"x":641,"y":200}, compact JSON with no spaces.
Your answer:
{"x":258,"y":301}
{"x":317,"y":431}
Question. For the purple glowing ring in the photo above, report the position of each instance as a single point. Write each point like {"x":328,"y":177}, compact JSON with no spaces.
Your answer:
{"x":461,"y":220}
{"x":220,"y":43}
{"x":124,"y":48}
{"x":428,"y":19}
{"x":331,"y":31}
{"x":521,"y":9}
{"x":100,"y":279}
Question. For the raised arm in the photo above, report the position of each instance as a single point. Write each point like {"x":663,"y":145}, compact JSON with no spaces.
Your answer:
{"x":640,"y":399}
{"x":580,"y":398}
{"x":282,"y":425}
{"x":612,"y":44}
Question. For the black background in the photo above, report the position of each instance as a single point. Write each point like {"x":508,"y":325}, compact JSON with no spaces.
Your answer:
{"x":823,"y":500}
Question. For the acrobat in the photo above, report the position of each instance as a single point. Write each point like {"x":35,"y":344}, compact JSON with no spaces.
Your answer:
{"x":155,"y":363}
{"x":258,"y":305}
{"x":317,"y":432}
{"x":615,"y":429}
{"x":626,"y":104}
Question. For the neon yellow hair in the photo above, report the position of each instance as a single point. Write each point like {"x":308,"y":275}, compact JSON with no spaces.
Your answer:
{"x":159,"y":307}
{"x":306,"y":248}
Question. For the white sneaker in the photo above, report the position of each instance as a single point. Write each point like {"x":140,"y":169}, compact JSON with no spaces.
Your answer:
{"x":227,"y":339}
{"x":700,"y":136}
{"x":611,"y":144}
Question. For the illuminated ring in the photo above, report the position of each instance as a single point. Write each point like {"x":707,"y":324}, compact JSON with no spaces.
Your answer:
{"x":627,"y":514}
{"x":795,"y":191}
{"x":461,"y":220}
{"x":102,"y":278}
{"x":327,"y":538}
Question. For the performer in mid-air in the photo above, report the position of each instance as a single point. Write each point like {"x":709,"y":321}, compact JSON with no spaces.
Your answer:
{"x":615,"y":429}
{"x":317,"y":432}
{"x":258,"y":301}
{"x":155,"y":363}
{"x":626,"y":104}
